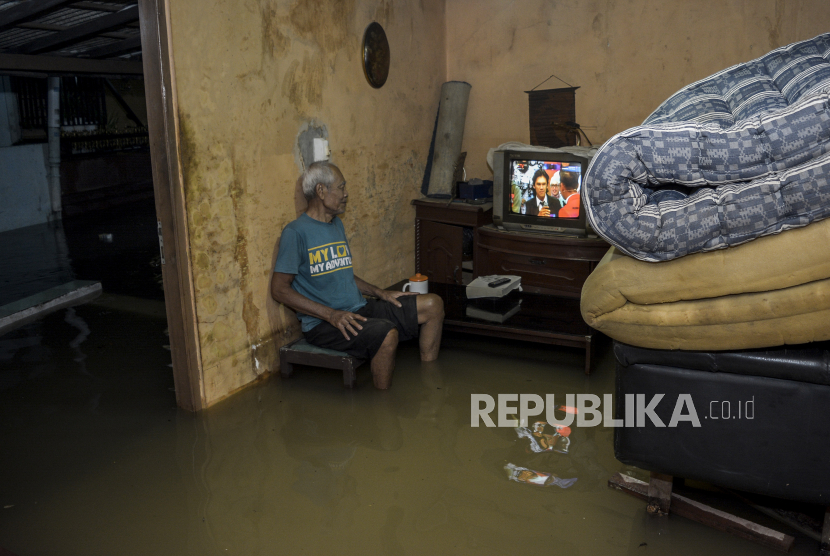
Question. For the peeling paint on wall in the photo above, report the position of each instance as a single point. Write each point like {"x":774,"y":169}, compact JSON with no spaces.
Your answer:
{"x":305,"y":142}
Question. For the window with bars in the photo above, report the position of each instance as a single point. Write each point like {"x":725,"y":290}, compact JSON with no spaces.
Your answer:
{"x":31,"y":101}
{"x":82,"y":101}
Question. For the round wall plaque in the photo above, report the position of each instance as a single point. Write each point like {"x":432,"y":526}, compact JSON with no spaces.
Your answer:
{"x":375,"y":55}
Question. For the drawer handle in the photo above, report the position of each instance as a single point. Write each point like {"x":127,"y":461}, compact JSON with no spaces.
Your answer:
{"x":537,"y":261}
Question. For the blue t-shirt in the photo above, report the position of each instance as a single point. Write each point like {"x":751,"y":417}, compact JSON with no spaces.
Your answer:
{"x":318,"y":255}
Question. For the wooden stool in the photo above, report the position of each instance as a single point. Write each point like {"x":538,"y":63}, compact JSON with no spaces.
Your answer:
{"x":302,"y":353}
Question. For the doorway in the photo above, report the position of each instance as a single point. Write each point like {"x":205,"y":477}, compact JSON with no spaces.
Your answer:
{"x":87,"y":54}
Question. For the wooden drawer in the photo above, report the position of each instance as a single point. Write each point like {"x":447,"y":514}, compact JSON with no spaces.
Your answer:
{"x":539,"y":274}
{"x":556,"y":265}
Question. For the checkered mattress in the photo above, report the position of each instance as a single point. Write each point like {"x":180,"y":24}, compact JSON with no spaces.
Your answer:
{"x":739,"y":155}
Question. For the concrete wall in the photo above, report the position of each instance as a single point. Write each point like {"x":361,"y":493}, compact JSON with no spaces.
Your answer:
{"x":251,"y":76}
{"x":24,"y":189}
{"x":626,"y":55}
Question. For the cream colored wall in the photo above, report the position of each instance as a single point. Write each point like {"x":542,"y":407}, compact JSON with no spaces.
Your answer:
{"x":249,"y":76}
{"x":626,"y":55}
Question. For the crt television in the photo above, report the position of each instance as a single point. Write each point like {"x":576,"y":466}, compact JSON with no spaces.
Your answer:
{"x":539,"y":191}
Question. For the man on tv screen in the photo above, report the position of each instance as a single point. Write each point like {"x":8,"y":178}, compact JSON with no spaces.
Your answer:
{"x":553,"y":188}
{"x":568,"y":185}
{"x":313,"y":275}
{"x":542,"y":204}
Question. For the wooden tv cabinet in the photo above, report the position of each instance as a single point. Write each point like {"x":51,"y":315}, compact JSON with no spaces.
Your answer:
{"x":439,"y":237}
{"x":553,"y":270}
{"x":548,"y":264}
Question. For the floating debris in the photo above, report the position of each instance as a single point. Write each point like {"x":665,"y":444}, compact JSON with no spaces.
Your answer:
{"x":531,"y":477}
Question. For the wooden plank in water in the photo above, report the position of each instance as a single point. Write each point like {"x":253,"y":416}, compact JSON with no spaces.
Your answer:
{"x":707,"y":515}
{"x":802,"y":523}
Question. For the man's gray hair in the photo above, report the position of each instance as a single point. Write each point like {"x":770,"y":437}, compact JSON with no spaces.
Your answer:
{"x":318,"y":172}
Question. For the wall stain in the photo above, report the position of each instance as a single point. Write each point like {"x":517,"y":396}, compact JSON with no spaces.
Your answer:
{"x":330,"y":27}
{"x":385,"y":13}
{"x":250,"y":312}
{"x":202,"y":261}
{"x":214,"y":189}
{"x":274,"y":42}
{"x":187,"y":155}
{"x":597,"y":26}
{"x":303,"y":83}
{"x":774,"y":29}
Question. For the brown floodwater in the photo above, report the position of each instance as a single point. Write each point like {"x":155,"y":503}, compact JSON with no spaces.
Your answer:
{"x":95,"y":458}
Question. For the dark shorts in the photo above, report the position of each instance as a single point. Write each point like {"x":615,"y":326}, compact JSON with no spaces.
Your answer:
{"x":382,"y":316}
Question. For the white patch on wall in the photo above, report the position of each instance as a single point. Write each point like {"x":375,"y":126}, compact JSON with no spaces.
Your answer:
{"x":321,"y":149}
{"x":305,"y":146}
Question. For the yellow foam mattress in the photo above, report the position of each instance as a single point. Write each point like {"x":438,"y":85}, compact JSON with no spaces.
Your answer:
{"x":772,"y":291}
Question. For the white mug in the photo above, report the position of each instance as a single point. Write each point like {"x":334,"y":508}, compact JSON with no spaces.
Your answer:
{"x":418,"y":284}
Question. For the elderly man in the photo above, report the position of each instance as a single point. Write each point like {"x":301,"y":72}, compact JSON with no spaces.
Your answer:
{"x":314,"y":276}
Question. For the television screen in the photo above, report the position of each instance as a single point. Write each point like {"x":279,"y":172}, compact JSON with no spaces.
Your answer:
{"x":545,"y":188}
{"x":539,"y":190}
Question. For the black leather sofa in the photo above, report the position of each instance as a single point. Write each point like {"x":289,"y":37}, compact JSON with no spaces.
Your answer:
{"x":778,"y":444}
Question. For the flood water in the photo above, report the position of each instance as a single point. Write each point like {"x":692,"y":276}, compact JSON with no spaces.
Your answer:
{"x":95,"y":458}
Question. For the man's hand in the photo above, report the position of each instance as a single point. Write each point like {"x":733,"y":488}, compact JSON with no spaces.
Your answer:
{"x":346,"y":321}
{"x":392,"y":297}
{"x":544,"y":211}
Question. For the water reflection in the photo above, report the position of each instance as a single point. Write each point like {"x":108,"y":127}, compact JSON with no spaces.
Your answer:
{"x":97,"y":459}
{"x":77,"y":322}
{"x":118,"y":247}
{"x":301,"y":466}
{"x":35,"y":258}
